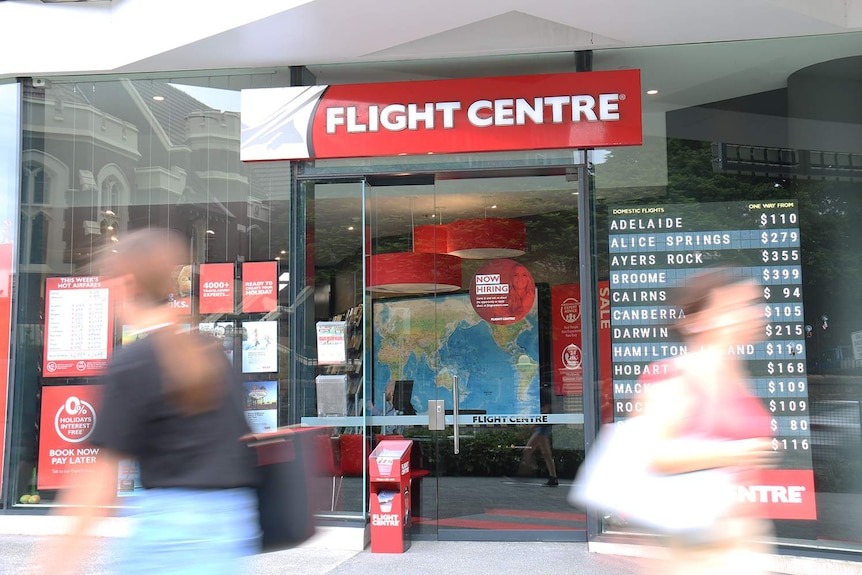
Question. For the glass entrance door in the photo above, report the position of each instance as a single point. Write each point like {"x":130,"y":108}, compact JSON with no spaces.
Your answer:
{"x":494,"y":352}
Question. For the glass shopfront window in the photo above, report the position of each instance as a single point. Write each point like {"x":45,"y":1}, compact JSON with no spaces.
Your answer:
{"x":412,"y":331}
{"x":99,"y":160}
{"x":733,"y":132}
{"x":10,"y":135}
{"x":756,"y":139}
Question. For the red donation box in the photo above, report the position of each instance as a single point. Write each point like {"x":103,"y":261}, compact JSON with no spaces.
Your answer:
{"x":389,"y":477}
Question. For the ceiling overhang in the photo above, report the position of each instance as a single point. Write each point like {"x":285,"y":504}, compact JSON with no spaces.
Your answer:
{"x":157,"y":35}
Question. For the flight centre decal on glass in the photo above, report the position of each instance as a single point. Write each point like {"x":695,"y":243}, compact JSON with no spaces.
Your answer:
{"x":653,"y":250}
{"x":576,"y":110}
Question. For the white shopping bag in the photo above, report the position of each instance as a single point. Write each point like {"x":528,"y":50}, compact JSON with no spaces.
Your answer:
{"x":617,"y":477}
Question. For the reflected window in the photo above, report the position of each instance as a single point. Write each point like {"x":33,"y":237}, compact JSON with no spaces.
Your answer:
{"x":35,"y":185}
{"x":109,"y":199}
{"x":39,"y":239}
{"x":36,"y":191}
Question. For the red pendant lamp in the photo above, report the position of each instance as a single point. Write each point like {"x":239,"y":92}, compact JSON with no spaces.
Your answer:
{"x":426,"y":269}
{"x":413,"y":272}
{"x":486,"y":238}
{"x":432,"y":239}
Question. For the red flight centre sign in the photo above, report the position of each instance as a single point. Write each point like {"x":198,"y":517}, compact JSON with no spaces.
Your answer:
{"x":576,"y":110}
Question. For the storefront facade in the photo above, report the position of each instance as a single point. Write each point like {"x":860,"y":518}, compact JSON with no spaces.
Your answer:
{"x":341,"y":305}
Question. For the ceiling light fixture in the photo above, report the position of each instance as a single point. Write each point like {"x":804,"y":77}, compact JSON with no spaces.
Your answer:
{"x":487,"y":238}
{"x":431,"y":239}
{"x":413,"y":272}
{"x":416,"y":271}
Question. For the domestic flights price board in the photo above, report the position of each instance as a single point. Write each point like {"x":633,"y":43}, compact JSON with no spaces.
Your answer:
{"x":653,"y":249}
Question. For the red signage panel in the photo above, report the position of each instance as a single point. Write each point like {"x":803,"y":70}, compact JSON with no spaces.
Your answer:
{"x":566,"y":339}
{"x":79,"y":327}
{"x":606,"y":383}
{"x":69,"y":415}
{"x":780,"y":494}
{"x":6,"y":252}
{"x":216,"y":288}
{"x":259,"y":286}
{"x":566,"y":343}
{"x":576,"y":110}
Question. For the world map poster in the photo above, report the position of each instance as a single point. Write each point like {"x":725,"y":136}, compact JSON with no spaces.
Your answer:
{"x":431,"y":340}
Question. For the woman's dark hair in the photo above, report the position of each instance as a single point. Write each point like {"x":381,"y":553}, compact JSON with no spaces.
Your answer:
{"x":195,"y":381}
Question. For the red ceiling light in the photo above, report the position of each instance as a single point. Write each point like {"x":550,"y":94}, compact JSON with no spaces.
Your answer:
{"x":487,"y":238}
{"x":431,"y":239}
{"x":413,"y":272}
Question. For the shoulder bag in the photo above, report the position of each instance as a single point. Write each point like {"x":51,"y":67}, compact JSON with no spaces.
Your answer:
{"x":285,"y":460}
{"x":617,"y":477}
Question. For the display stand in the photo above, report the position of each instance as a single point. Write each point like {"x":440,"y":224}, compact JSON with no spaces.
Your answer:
{"x":339,"y":377}
{"x":332,"y":395}
{"x":389,"y":477}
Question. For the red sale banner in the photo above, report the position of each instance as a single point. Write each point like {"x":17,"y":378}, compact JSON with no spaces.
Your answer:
{"x":216,"y":288}
{"x":79,"y":327}
{"x":606,"y":383}
{"x":69,"y":415}
{"x":577,"y":110}
{"x":259,"y":286}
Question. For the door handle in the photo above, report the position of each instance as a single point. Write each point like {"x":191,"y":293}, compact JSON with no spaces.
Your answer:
{"x":455,"y":395}
{"x":436,"y":415}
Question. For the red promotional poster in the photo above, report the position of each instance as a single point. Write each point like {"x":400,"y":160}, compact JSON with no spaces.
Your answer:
{"x":216,"y":288}
{"x":575,"y":110}
{"x":69,"y":415}
{"x":566,"y":339}
{"x":79,"y":327}
{"x":259,"y":286}
{"x":567,"y":348}
{"x":502,"y":292}
{"x":5,"y":322}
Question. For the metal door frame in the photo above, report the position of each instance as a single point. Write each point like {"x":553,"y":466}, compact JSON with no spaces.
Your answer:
{"x":576,"y":172}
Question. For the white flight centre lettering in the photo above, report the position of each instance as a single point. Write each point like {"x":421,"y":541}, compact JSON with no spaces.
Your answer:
{"x":385,"y":520}
{"x":393,"y":117}
{"x":771,"y":493}
{"x":509,"y":112}
{"x":398,"y":117}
